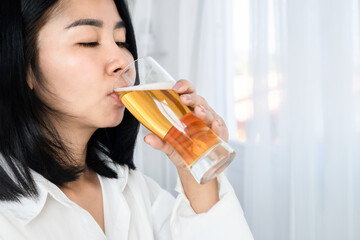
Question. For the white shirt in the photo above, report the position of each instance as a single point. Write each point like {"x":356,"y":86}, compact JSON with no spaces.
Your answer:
{"x":135,"y":207}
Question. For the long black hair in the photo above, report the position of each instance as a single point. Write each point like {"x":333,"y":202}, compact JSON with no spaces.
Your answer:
{"x":28,"y":140}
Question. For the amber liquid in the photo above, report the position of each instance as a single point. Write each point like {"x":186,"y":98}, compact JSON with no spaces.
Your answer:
{"x":162,"y":112}
{"x":197,"y":140}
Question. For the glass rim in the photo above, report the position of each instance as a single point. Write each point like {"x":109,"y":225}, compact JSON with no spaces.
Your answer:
{"x":134,"y":62}
{"x":137,"y":66}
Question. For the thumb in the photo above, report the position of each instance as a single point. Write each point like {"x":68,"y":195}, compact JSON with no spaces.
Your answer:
{"x":157,"y":143}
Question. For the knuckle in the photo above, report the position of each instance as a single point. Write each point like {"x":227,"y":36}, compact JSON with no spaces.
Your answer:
{"x":201,"y":98}
{"x":184,"y":82}
{"x":210,"y":115}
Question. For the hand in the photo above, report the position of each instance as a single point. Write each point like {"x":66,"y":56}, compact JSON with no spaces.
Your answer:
{"x":201,"y":109}
{"x":201,"y":196}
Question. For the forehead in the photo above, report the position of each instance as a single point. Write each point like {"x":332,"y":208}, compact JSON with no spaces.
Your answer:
{"x":104,"y":10}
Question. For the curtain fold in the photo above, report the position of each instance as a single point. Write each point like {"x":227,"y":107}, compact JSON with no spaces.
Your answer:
{"x":303,"y":156}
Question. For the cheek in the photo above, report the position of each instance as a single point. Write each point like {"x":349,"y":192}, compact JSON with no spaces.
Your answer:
{"x":71,"y":77}
{"x":76,"y":80}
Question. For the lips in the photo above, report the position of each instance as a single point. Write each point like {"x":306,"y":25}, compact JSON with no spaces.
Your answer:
{"x":116,"y":98}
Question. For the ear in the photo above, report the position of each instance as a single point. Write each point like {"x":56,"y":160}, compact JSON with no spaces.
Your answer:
{"x":30,"y":79}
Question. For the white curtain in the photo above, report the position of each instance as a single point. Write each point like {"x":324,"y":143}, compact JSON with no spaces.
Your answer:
{"x":297,"y":174}
{"x":302,"y":158}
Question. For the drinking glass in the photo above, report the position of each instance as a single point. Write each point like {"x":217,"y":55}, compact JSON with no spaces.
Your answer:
{"x":159,"y":109}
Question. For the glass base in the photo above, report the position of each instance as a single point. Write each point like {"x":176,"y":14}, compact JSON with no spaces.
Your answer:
{"x":212,"y":163}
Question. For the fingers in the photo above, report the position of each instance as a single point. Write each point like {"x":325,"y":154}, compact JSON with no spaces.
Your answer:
{"x":204,"y":114}
{"x":220,"y":129}
{"x":193,"y":100}
{"x":201,"y":107}
{"x":157,"y":143}
{"x":187,"y":93}
{"x":188,"y":100}
{"x":183,"y":86}
{"x":213,"y":120}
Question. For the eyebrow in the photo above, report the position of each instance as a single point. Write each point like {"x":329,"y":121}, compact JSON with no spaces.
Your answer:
{"x":86,"y":22}
{"x":93,"y":22}
{"x":120,"y":24}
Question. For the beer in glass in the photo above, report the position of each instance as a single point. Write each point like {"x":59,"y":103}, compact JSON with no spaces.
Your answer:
{"x":159,"y":109}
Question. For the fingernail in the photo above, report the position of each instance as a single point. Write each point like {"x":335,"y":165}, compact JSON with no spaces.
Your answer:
{"x":186,"y":96}
{"x":146,"y":140}
{"x":219,"y":123}
{"x":202,"y":108}
{"x":177,"y":86}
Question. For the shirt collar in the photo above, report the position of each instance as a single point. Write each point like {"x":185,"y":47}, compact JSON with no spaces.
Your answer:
{"x":29,"y":208}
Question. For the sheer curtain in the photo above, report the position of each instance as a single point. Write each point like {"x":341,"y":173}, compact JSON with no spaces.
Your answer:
{"x":297,"y":174}
{"x":301,"y":163}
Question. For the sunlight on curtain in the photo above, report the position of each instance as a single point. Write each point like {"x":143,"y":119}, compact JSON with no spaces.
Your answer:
{"x":297,"y":93}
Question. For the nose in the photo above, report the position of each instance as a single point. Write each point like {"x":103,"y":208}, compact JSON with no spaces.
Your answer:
{"x":120,"y":58}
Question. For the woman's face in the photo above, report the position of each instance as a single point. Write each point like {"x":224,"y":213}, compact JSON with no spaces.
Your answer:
{"x":81,"y":52}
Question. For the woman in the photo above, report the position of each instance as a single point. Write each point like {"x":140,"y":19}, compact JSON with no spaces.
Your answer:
{"x":67,"y":168}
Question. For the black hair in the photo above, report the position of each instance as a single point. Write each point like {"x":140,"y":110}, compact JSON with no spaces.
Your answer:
{"x":28,"y":140}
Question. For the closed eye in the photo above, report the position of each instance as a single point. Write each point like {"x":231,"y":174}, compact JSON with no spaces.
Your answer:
{"x":95,"y":44}
{"x":123,"y":44}
{"x":89,"y":44}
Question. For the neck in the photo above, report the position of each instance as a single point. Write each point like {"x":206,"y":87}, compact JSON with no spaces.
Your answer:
{"x":75,"y":138}
{"x":86,"y":179}
{"x":76,"y":141}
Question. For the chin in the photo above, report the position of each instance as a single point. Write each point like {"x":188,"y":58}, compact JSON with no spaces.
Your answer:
{"x":112,"y":120}
{"x":115,"y":122}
